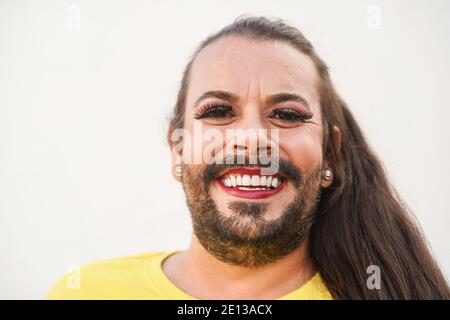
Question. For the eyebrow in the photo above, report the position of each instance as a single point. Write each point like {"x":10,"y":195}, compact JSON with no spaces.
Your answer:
{"x":286,"y":97}
{"x":273,"y":99}
{"x":223,"y":95}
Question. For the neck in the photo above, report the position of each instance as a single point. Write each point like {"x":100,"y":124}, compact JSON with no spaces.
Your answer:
{"x":202,"y":275}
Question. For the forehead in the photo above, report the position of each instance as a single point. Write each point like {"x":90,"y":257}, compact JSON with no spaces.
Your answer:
{"x":243,"y":66}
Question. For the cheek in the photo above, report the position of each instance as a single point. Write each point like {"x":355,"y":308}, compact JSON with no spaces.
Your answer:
{"x":203,"y":144}
{"x":303,"y":148}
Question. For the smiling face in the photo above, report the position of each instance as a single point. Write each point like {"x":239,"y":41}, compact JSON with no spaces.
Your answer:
{"x":244,"y":214}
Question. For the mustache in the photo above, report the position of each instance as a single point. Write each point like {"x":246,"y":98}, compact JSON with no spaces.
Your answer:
{"x":285,"y":168}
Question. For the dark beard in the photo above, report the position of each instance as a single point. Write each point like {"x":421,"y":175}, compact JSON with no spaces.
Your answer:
{"x":246,"y":238}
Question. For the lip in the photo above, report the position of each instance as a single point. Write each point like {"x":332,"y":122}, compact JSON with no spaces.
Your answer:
{"x":249,"y":194}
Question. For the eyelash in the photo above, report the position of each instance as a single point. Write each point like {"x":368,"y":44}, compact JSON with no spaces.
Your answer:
{"x":220,"y":111}
{"x":212,"y":110}
{"x":292,"y":114}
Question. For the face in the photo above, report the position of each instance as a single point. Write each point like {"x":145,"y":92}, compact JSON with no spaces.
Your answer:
{"x":241,"y":213}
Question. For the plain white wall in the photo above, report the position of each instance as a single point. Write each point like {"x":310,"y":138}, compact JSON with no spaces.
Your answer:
{"x":84,"y":167}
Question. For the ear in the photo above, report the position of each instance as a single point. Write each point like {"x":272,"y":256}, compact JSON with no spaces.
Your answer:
{"x":337,"y":138}
{"x":175,"y":141}
{"x":337,"y":142}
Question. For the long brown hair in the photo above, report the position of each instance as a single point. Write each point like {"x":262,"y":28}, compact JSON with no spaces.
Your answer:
{"x":360,"y":220}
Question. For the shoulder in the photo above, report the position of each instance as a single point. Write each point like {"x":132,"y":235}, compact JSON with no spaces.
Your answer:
{"x":104,"y":279}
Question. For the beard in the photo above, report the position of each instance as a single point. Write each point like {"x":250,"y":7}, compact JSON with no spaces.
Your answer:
{"x":246,"y":238}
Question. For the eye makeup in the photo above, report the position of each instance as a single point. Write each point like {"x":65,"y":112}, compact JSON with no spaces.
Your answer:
{"x":291,"y":115}
{"x":214,"y":110}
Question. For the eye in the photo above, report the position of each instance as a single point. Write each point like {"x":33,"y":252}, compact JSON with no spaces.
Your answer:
{"x":290,"y":115}
{"x":215,"y":111}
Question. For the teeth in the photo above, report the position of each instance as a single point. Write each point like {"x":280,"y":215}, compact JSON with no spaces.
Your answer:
{"x":275,"y":182}
{"x":245,"y":188}
{"x":246,"y":180}
{"x":267,"y":182}
{"x":233,"y":181}
{"x":255,"y":181}
{"x":263,"y":181}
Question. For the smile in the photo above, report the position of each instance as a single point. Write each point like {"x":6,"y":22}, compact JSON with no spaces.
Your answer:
{"x":248,"y":183}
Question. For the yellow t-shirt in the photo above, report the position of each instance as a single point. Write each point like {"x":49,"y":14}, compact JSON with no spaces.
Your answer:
{"x":141,"y":277}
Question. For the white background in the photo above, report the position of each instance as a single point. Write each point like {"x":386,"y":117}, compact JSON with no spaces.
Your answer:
{"x":84,"y":167}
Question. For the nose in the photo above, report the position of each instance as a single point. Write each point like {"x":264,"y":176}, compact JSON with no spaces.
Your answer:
{"x":243,"y":148}
{"x":253,"y":137}
{"x":253,"y":143}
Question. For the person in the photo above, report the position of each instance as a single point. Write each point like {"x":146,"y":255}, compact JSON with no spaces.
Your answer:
{"x":302,"y":211}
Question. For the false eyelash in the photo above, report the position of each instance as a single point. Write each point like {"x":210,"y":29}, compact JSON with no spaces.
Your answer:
{"x":298,"y":116}
{"x":208,"y":106}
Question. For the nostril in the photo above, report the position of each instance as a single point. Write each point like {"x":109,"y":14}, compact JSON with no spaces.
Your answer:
{"x":263,"y":148}
{"x":239,"y":147}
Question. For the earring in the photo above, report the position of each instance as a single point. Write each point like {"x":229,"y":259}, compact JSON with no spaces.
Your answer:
{"x":178,"y":170}
{"x":328,"y":174}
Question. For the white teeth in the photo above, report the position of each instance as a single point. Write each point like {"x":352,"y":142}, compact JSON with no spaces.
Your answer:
{"x":269,"y":182}
{"x":253,"y":189}
{"x":246,"y":180}
{"x":255,"y":181}
{"x":263,"y":181}
{"x":275,"y":182}
{"x":233,"y":181}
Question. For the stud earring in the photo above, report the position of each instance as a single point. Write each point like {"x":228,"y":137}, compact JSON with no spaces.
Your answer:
{"x":178,"y":170}
{"x":328,"y":174}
